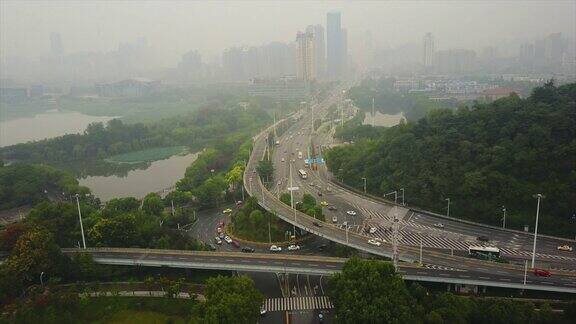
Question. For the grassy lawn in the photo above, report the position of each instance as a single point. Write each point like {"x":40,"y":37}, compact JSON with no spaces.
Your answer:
{"x":149,"y":155}
{"x":142,"y":317}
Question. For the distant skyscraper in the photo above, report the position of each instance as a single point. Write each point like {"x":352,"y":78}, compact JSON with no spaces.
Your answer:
{"x":336,"y":45}
{"x":319,"y":49}
{"x":305,"y":58}
{"x":428,"y":57}
{"x":56,"y":47}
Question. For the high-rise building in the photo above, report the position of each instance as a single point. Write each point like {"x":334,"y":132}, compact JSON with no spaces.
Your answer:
{"x":336,"y":46}
{"x":305,"y":58}
{"x":319,"y":49}
{"x":428,"y":53}
{"x":56,"y":47}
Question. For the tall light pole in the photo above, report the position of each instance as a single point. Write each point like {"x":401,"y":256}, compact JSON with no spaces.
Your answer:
{"x":448,"y":208}
{"x":503,"y":217}
{"x":538,"y":196}
{"x":364,"y":185}
{"x":80,"y":217}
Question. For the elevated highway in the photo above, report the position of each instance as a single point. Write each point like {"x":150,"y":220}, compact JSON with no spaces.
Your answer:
{"x":311,"y":265}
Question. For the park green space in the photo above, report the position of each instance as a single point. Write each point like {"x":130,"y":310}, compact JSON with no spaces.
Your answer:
{"x":148,"y":155}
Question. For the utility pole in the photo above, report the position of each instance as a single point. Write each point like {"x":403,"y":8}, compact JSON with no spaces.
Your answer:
{"x":421,"y":249}
{"x":172,"y":203}
{"x":395,"y":242}
{"x":81,"y":225}
{"x":504,"y":217}
{"x":448,"y":209}
{"x":538,"y":196}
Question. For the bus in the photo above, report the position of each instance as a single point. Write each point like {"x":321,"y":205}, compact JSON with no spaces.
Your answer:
{"x":484,"y":252}
{"x":302,"y":174}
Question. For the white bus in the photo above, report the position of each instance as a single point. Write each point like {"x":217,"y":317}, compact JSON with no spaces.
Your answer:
{"x":302,"y":174}
{"x":484,"y":252}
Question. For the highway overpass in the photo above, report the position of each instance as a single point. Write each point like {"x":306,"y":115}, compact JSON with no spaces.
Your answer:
{"x":310,"y":265}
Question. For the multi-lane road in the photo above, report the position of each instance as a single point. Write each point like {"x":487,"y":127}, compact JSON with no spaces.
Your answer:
{"x":413,"y":226}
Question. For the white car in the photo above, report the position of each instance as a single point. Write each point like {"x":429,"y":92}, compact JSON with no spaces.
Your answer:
{"x":334,"y":219}
{"x":227,"y":239}
{"x":565,"y":248}
{"x":372,"y":230}
{"x":374,"y":242}
{"x":345,"y":223}
{"x":293,"y":247}
{"x":351,"y":213}
{"x":275,"y":248}
{"x":439,"y":225}
{"x":283,"y":160}
{"x":217,"y":240}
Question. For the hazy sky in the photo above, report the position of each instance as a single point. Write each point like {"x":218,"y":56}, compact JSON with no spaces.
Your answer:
{"x":179,"y":26}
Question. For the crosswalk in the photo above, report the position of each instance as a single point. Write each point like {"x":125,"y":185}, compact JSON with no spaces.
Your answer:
{"x":414,"y":234}
{"x":297,"y":303}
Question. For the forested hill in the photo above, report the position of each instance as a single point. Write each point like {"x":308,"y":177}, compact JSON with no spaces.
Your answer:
{"x":482,"y":158}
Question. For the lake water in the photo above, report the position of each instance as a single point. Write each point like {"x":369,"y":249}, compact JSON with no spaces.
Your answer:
{"x":381,"y":119}
{"x":138,"y":183}
{"x":45,"y":125}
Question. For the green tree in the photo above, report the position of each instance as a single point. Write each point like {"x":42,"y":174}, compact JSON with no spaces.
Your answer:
{"x":265,"y":169}
{"x":229,"y":300}
{"x":370,"y":292}
{"x":153,"y":204}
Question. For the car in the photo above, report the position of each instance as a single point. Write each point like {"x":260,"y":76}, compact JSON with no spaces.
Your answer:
{"x":328,"y":189}
{"x":239,"y":203}
{"x":211,"y":247}
{"x":345,"y":223}
{"x":283,"y":160}
{"x":319,"y":194}
{"x":372,"y":230}
{"x":221,"y":236}
{"x":227,"y":211}
{"x":275,"y":248}
{"x":263,"y":310}
{"x":483,"y":238}
{"x":217,"y":240}
{"x":248,"y":250}
{"x":293,"y":247}
{"x":279,"y":182}
{"x":324,"y":203}
{"x":317,"y":224}
{"x":227,"y":239}
{"x":439,"y":225}
{"x":219,"y":230}
{"x":334,"y":219}
{"x":332,"y":208}
{"x":542,"y":273}
{"x":351,"y":213}
{"x":374,"y":242}
{"x":322,"y":247}
{"x":565,"y":248}
{"x":235,"y":244}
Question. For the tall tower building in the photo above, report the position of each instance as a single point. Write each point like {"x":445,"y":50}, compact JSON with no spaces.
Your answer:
{"x":429,"y":49}
{"x":335,"y":45}
{"x":319,"y":49}
{"x":305,"y":58}
{"x":56,"y":47}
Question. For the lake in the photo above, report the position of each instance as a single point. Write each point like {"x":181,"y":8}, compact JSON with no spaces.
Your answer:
{"x":158,"y":176}
{"x":381,"y":119}
{"x":45,"y":125}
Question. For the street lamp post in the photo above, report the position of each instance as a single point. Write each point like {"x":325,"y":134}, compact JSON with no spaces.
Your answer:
{"x":448,"y":208}
{"x":539,"y":197}
{"x":503,"y":217}
{"x":42,"y":281}
{"x":80,"y":217}
{"x":364,"y":185}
